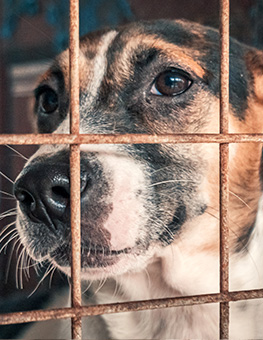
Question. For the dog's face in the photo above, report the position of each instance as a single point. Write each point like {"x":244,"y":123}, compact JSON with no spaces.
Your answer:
{"x":151,"y":78}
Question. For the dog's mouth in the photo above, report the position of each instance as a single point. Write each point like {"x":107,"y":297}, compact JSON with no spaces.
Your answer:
{"x":92,"y":256}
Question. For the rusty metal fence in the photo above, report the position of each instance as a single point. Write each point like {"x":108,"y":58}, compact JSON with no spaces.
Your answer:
{"x":74,"y":139}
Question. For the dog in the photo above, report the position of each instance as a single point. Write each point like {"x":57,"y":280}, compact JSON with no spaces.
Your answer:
{"x":150,"y":212}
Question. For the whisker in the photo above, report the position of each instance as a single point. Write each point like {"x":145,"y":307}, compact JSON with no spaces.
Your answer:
{"x":69,"y":282}
{"x":21,"y":267}
{"x":51,"y":276}
{"x":8,"y":241}
{"x":232,"y":231}
{"x":8,"y":213}
{"x":241,"y":200}
{"x":17,"y":152}
{"x":37,"y":268}
{"x":18,"y":248}
{"x":38,"y":264}
{"x":101,"y":284}
{"x":6,"y":228}
{"x":116,"y":289}
{"x":164,"y":226}
{"x":230,"y":220}
{"x":28,"y":265}
{"x":161,"y":169}
{"x":17,"y":265}
{"x":148,"y":277}
{"x":171,"y":181}
{"x":10,"y":231}
{"x":7,"y":193}
{"x":216,"y":217}
{"x":10,"y":259}
{"x":87,"y":288}
{"x":210,"y":214}
{"x":24,"y":266}
{"x":6,"y":177}
{"x":48,"y":271}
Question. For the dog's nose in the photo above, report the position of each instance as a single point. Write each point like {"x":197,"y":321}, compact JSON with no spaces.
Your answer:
{"x":43,"y":192}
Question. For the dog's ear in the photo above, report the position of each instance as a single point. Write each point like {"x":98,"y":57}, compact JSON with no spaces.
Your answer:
{"x":254,"y":61}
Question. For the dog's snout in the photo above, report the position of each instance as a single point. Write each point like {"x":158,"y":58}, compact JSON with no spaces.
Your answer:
{"x":44,"y":192}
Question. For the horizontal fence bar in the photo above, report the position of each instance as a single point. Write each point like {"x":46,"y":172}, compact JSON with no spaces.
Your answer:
{"x":35,"y":139}
{"x":64,"y":313}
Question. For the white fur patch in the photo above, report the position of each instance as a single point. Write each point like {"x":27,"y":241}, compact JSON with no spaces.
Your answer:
{"x":98,"y":68}
{"x":128,"y":213}
{"x":99,"y":65}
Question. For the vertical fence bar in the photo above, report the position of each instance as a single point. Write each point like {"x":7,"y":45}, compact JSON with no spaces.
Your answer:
{"x":224,"y":232}
{"x":224,"y":166}
{"x":75,"y":166}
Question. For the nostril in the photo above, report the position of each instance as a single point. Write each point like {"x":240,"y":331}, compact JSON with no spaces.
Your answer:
{"x":43,"y":191}
{"x":25,"y":198}
{"x":57,"y":199}
{"x":60,"y":192}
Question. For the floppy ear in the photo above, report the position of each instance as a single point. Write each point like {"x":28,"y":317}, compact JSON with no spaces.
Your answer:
{"x":254,"y":60}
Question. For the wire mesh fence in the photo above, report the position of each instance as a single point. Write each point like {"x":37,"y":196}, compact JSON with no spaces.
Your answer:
{"x":74,"y":139}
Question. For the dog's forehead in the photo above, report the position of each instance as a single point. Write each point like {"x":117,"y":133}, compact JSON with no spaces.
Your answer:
{"x":112,"y":58}
{"x":183,"y":42}
{"x":189,"y":44}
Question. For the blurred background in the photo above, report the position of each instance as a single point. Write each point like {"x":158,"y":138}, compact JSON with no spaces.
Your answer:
{"x":32,"y":32}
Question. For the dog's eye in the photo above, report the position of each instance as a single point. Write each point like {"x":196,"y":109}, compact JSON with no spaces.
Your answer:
{"x":171,"y":82}
{"x":48,"y":101}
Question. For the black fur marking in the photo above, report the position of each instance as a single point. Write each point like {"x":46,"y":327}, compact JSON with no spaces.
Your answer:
{"x":238,"y":76}
{"x":173,"y":227}
{"x":111,"y":90}
{"x":170,"y":31}
{"x":178,"y":219}
{"x":243,"y":240}
{"x":143,"y":57}
{"x":203,"y":209}
{"x":89,"y":43}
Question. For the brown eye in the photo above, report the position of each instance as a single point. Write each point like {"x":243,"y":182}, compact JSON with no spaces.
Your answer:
{"x":171,"y":83}
{"x":48,"y":101}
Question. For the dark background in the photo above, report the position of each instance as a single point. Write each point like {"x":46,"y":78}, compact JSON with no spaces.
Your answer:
{"x":32,"y":32}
